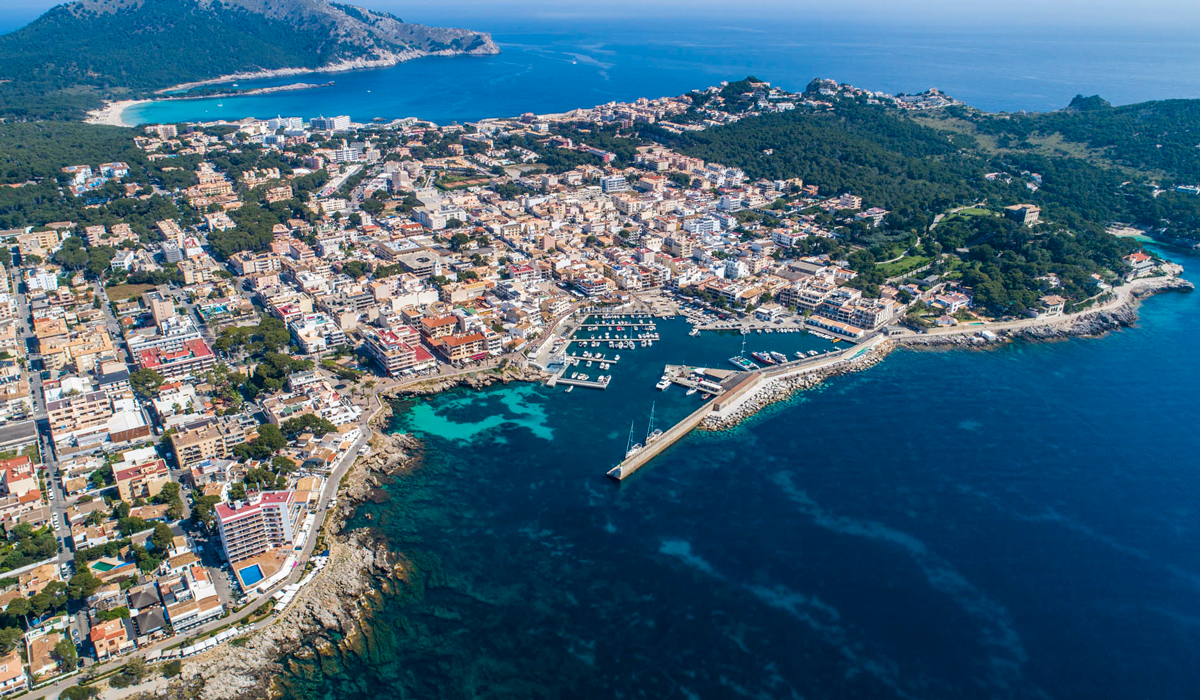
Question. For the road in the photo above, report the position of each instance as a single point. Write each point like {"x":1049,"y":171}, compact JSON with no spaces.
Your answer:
{"x":335,"y":478}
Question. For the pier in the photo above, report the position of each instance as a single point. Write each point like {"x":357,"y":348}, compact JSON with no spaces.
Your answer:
{"x":738,"y":385}
{"x":623,"y":326}
{"x":581,"y":358}
{"x":586,"y":383}
{"x":738,"y":388}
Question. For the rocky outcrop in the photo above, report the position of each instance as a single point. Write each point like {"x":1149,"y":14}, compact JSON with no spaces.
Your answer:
{"x":328,"y":611}
{"x":330,"y":607}
{"x":475,"y":380}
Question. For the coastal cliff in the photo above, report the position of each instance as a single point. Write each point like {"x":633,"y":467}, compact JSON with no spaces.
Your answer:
{"x":327,"y":613}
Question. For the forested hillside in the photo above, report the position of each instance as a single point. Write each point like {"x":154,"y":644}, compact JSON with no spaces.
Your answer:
{"x":917,"y":171}
{"x":1162,"y":137}
{"x":76,"y":54}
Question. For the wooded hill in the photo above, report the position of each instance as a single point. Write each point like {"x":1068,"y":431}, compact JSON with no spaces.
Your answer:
{"x":69,"y":59}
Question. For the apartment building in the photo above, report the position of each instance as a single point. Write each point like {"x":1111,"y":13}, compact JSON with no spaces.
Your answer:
{"x":459,"y":348}
{"x":142,"y":481}
{"x":211,"y":439}
{"x":396,"y":353}
{"x":80,"y":413}
{"x":194,"y":359}
{"x":316,"y":332}
{"x":170,"y":335}
{"x":266,"y":521}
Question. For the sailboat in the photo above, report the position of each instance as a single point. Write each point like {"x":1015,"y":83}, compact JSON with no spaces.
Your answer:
{"x":651,"y":433}
{"x":740,"y":360}
{"x":631,"y":447}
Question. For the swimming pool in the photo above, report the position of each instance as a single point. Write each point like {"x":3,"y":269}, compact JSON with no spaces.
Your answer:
{"x":102,"y":566}
{"x":250,"y":575}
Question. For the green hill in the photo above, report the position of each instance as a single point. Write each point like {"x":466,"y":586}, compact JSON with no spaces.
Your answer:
{"x":76,"y":54}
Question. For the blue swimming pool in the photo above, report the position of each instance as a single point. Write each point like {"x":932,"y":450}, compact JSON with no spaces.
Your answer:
{"x":250,"y":575}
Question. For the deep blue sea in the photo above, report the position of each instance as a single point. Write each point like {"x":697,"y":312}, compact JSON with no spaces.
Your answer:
{"x":1017,"y":522}
{"x":557,"y":64}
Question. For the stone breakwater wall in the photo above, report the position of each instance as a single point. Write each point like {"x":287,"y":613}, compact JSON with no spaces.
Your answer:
{"x":781,"y":388}
{"x":325,"y":613}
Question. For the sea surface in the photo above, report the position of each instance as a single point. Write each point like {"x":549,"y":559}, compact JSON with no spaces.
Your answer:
{"x":550,"y":65}
{"x":1016,"y":522}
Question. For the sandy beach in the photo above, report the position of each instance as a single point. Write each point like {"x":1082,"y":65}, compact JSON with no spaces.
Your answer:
{"x":110,"y":113}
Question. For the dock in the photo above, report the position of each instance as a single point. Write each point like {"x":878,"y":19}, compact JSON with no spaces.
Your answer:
{"x":737,"y":386}
{"x":585,"y":383}
{"x":580,"y":358}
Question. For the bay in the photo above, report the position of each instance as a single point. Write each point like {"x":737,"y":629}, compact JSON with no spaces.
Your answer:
{"x":550,"y":65}
{"x":1017,"y":522}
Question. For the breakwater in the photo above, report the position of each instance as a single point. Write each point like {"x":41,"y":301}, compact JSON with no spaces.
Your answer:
{"x":779,"y":383}
{"x":746,"y":393}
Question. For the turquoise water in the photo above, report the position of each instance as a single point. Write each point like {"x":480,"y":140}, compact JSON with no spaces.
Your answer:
{"x":251,"y":574}
{"x":1017,"y":522}
{"x":557,"y":64}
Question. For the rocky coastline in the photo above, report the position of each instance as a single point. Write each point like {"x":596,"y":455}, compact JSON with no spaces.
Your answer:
{"x":326,"y":613}
{"x":383,"y":60}
{"x":1087,"y":324}
{"x":474,"y":380}
{"x":325,"y":617}
{"x":1084,"y":325}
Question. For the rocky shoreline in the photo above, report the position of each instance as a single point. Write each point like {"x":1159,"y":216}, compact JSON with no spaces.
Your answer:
{"x":1088,"y":325}
{"x":474,"y":380}
{"x":384,"y":60}
{"x":326,"y":613}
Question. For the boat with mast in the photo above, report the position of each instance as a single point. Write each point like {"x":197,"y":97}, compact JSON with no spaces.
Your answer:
{"x":651,"y":433}
{"x":740,"y":360}
{"x":631,"y":447}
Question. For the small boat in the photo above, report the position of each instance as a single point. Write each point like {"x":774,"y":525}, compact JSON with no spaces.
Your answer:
{"x":742,"y":363}
{"x":663,"y":384}
{"x":763,"y":357}
{"x":799,"y":354}
{"x":570,"y":388}
{"x":691,"y":391}
{"x":706,"y":397}
{"x":778,"y":357}
{"x":617,"y":358}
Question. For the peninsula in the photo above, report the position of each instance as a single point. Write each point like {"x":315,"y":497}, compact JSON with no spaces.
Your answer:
{"x":78,"y":55}
{"x":203,"y":321}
